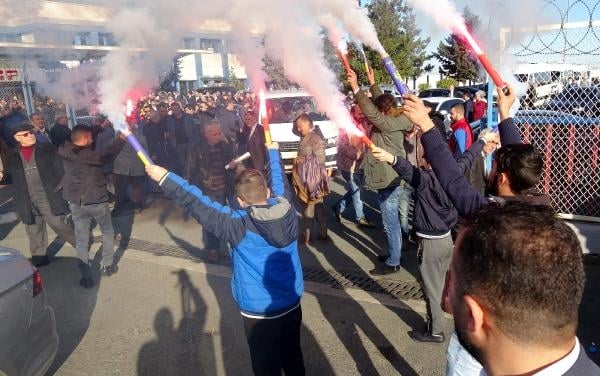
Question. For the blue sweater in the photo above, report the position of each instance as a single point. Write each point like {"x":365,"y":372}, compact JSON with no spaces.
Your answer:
{"x":267,"y":275}
{"x":434,"y":212}
{"x":465,"y":198}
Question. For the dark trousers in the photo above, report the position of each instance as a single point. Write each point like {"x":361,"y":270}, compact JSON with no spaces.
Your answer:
{"x":122,"y":183}
{"x":434,"y":259}
{"x":275,"y":344}
{"x":211,"y":242}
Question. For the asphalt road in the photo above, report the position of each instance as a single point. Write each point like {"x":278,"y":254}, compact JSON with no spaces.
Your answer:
{"x":164,"y":314}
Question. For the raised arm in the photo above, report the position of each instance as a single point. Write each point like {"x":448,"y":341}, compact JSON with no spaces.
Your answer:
{"x":464,"y":197}
{"x":509,"y":134}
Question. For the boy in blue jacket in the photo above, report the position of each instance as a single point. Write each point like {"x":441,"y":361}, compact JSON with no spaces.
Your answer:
{"x":267,"y":279}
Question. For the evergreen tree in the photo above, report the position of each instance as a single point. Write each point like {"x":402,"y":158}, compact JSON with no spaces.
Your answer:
{"x":398,"y":32}
{"x":456,"y":60}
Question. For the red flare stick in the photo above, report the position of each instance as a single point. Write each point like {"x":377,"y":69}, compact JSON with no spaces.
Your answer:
{"x":264,"y":118}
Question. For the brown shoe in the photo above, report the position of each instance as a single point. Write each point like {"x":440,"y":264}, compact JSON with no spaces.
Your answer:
{"x":212,"y":256}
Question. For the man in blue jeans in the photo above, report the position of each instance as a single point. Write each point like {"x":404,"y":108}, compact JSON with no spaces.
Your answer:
{"x":349,"y":159}
{"x":389,"y":125}
{"x":84,"y":187}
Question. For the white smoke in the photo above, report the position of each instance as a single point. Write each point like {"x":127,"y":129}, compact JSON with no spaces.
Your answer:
{"x":146,"y":49}
{"x":148,"y":33}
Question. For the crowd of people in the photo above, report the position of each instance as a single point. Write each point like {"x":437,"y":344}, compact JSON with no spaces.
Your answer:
{"x":490,"y":249}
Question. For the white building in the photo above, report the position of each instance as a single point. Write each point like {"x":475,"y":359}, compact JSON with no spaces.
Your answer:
{"x":62,"y":34}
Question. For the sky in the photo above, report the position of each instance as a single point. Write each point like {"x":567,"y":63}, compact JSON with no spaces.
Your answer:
{"x":526,"y":13}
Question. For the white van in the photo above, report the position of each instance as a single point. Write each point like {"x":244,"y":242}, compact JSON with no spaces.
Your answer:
{"x":283,"y":107}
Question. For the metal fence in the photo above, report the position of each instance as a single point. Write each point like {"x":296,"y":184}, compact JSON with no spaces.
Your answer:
{"x":559,"y":68}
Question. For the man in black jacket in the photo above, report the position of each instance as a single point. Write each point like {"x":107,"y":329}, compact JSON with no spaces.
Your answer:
{"x":84,"y":187}
{"x":36,"y":171}
{"x":515,"y":285}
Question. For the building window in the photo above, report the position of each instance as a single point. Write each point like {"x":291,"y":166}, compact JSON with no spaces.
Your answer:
{"x":215,"y":45}
{"x":106,"y":39}
{"x":82,"y":39}
{"x":188,"y":43}
{"x":10,"y":38}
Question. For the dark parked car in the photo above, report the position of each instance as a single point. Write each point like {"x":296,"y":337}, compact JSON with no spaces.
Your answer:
{"x":28,"y":338}
{"x":543,"y":117}
{"x":582,"y":101}
{"x":434,"y":93}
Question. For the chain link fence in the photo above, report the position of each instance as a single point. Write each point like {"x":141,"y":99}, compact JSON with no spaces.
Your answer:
{"x":559,"y":68}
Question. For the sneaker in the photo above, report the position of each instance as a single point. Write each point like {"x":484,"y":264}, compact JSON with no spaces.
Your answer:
{"x":39,"y":261}
{"x":107,"y":271}
{"x":427,"y":337}
{"x":385,"y":270}
{"x":364,"y":223}
{"x":336,"y":212}
{"x":86,"y":282}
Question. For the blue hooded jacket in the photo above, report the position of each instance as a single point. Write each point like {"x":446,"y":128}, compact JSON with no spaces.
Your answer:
{"x":267,"y":274}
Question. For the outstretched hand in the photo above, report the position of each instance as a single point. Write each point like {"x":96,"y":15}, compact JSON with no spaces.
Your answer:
{"x":382,"y":155}
{"x":353,"y":80}
{"x":273,"y":145}
{"x":156,"y":172}
{"x":371,"y":76}
{"x":417,"y":112}
{"x":505,"y":102}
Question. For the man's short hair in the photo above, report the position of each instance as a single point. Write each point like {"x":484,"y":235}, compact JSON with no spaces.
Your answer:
{"x":303,"y":118}
{"x":79,"y":131}
{"x":522,"y":163}
{"x":212,"y":124}
{"x":385,"y":102}
{"x":460,"y":108}
{"x":525,"y":266}
{"x":251,"y":186}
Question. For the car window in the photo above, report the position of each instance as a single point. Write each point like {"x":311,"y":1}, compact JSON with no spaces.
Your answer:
{"x":285,"y":110}
{"x":447,"y":105}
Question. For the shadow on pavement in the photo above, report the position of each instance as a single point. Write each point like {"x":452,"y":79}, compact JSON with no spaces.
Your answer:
{"x":345,"y":319}
{"x":183,"y":350}
{"x":73,"y":305}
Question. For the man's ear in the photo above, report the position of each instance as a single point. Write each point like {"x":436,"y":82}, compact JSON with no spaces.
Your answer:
{"x":268,"y":193}
{"x":241,"y":202}
{"x":476,"y":319}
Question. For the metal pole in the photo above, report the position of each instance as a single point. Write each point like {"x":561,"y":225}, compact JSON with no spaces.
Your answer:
{"x":72,"y":117}
{"x":27,"y":95}
{"x":491,"y":118}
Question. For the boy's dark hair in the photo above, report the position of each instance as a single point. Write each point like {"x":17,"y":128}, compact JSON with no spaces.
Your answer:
{"x":524,"y":265}
{"x":385,"y":102}
{"x":251,"y":186}
{"x":78,"y":131}
{"x":522,"y":163}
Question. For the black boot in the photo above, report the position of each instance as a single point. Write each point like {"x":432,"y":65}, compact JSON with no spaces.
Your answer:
{"x":86,"y":280}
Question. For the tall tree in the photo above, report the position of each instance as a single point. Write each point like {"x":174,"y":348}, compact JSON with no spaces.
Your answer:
{"x":456,"y":60}
{"x":398,"y":32}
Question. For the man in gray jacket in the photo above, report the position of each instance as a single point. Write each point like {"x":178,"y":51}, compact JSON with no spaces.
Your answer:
{"x":389,"y":125}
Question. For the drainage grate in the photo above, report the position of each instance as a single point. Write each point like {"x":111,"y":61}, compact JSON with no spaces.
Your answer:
{"x":403,"y":290}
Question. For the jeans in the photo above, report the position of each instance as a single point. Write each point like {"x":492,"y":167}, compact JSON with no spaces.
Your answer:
{"x":388,"y":203}
{"x":459,"y":362}
{"x":353,"y":184}
{"x":275,"y":344}
{"x":82,"y":217}
{"x":404,"y":202}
